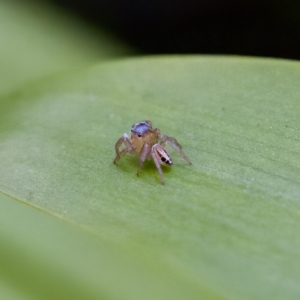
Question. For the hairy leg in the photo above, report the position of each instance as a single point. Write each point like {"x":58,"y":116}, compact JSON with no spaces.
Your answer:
{"x":122,"y":140}
{"x":128,"y":147}
{"x":157,"y":163}
{"x":122,"y":153}
{"x":143,"y":155}
{"x":173,"y":143}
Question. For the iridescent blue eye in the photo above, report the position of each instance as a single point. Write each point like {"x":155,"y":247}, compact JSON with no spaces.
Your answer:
{"x":140,"y":128}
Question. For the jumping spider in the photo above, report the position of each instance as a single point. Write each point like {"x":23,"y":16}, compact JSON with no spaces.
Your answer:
{"x":148,"y":142}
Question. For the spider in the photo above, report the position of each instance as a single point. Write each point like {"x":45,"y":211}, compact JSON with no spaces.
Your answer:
{"x":147,"y":142}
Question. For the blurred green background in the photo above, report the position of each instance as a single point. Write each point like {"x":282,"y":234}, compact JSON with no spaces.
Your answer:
{"x":38,"y":40}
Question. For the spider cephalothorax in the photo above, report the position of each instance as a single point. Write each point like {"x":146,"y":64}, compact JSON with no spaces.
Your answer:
{"x":148,"y":142}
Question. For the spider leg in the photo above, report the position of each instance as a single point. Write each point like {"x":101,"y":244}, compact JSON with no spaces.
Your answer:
{"x":157,"y":162}
{"x":129,"y":148}
{"x":162,"y":143}
{"x":143,"y":155}
{"x":173,"y":143}
{"x":122,"y":140}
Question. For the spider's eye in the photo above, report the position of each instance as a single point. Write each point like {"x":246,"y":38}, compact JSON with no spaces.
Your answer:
{"x":163,"y":159}
{"x":139,"y":135}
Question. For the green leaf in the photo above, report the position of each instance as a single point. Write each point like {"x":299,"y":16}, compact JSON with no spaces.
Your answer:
{"x":224,"y":228}
{"x":36,"y":40}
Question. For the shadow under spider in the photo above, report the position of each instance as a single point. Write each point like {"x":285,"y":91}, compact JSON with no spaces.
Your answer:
{"x":131,"y":162}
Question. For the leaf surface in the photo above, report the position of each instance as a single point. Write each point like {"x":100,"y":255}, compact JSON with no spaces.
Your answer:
{"x":224,"y":228}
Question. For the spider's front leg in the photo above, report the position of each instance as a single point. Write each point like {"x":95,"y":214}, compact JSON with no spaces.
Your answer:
{"x":128,"y":147}
{"x":173,"y":143}
{"x":160,"y":156}
{"x":143,"y":155}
